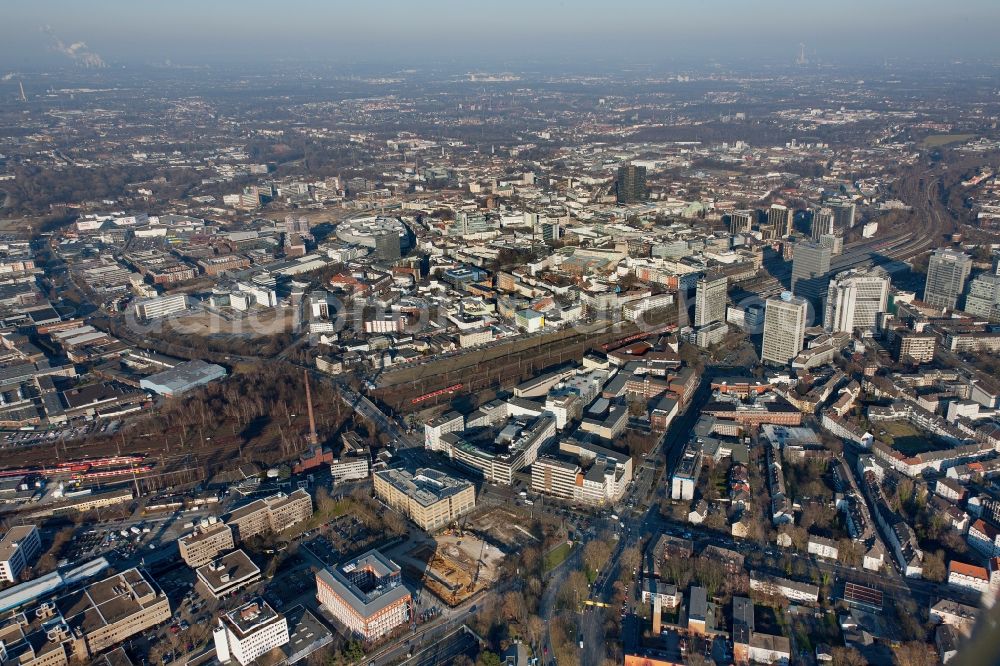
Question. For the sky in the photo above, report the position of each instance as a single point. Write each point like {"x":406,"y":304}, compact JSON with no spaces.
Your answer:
{"x":401,"y":32}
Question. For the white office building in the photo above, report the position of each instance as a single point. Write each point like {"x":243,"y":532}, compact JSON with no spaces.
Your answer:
{"x":161,"y":306}
{"x":249,"y":632}
{"x":854,"y":300}
{"x":710,"y":300}
{"x":947,"y":271}
{"x":784,"y":328}
{"x":19,"y":549}
{"x":433,"y":429}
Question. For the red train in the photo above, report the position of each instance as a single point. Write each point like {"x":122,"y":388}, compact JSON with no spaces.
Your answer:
{"x":112,"y":472}
{"x":81,"y":468}
{"x":434,"y":394}
{"x":638,"y":336}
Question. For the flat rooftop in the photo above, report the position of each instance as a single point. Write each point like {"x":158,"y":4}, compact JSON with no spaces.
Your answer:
{"x":426,"y":486}
{"x":11,"y":539}
{"x":206,"y":532}
{"x":229,"y":569}
{"x":109,"y":601}
{"x":251,"y":616}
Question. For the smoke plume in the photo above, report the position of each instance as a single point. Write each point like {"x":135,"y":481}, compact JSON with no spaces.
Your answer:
{"x":78,"y":52}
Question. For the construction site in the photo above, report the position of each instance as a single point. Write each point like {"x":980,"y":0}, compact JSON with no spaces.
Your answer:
{"x":453,"y":567}
{"x":504,"y":526}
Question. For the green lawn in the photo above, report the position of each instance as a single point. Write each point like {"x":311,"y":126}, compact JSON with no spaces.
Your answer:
{"x":908,"y":439}
{"x":938,"y":140}
{"x":556,"y":556}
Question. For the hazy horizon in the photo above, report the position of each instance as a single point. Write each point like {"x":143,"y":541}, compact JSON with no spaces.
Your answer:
{"x":115,"y":32}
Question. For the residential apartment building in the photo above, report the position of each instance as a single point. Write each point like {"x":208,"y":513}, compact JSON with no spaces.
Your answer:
{"x":685,"y":476}
{"x":914,"y":347}
{"x":968,"y":576}
{"x":822,"y":547}
{"x":983,"y":299}
{"x":984,"y":538}
{"x":790,"y":589}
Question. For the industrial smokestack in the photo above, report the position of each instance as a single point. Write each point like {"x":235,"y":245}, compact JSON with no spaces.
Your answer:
{"x":313,"y":439}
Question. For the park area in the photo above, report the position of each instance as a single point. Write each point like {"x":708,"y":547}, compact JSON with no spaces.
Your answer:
{"x":907,"y":438}
{"x":940,"y":140}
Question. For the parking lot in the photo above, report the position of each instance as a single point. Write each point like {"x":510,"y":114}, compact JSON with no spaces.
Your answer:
{"x":20,"y":438}
{"x":115,"y":544}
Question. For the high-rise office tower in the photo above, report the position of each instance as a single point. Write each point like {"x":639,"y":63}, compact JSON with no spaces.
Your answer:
{"x":843,"y":213}
{"x":947,"y":271}
{"x":810,"y":270}
{"x":854,"y":299}
{"x":630,"y":187}
{"x":983,"y":299}
{"x":297,"y":225}
{"x":822,"y":223}
{"x":710,"y":300}
{"x":740,"y":221}
{"x":833,"y":241}
{"x":550,"y":231}
{"x":784,"y":328}
{"x":387,"y":246}
{"x":779,"y":218}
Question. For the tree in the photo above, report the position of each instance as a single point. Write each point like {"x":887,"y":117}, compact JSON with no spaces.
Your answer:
{"x":933,"y":566}
{"x":353,"y":651}
{"x":914,"y":653}
{"x":487,"y":658}
{"x":531,"y":559}
{"x":716,"y":520}
{"x":575,"y":590}
{"x":631,"y":558}
{"x":679,"y":570}
{"x":710,"y":575}
{"x":512,"y":607}
{"x":535,"y":627}
{"x":845,"y":656}
{"x":595,"y":554}
{"x":849,"y":552}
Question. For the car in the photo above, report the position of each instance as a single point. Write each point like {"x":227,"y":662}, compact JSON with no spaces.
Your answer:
{"x":174,"y":629}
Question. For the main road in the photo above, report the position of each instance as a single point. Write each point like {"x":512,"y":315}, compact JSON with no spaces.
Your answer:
{"x":644,"y":521}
